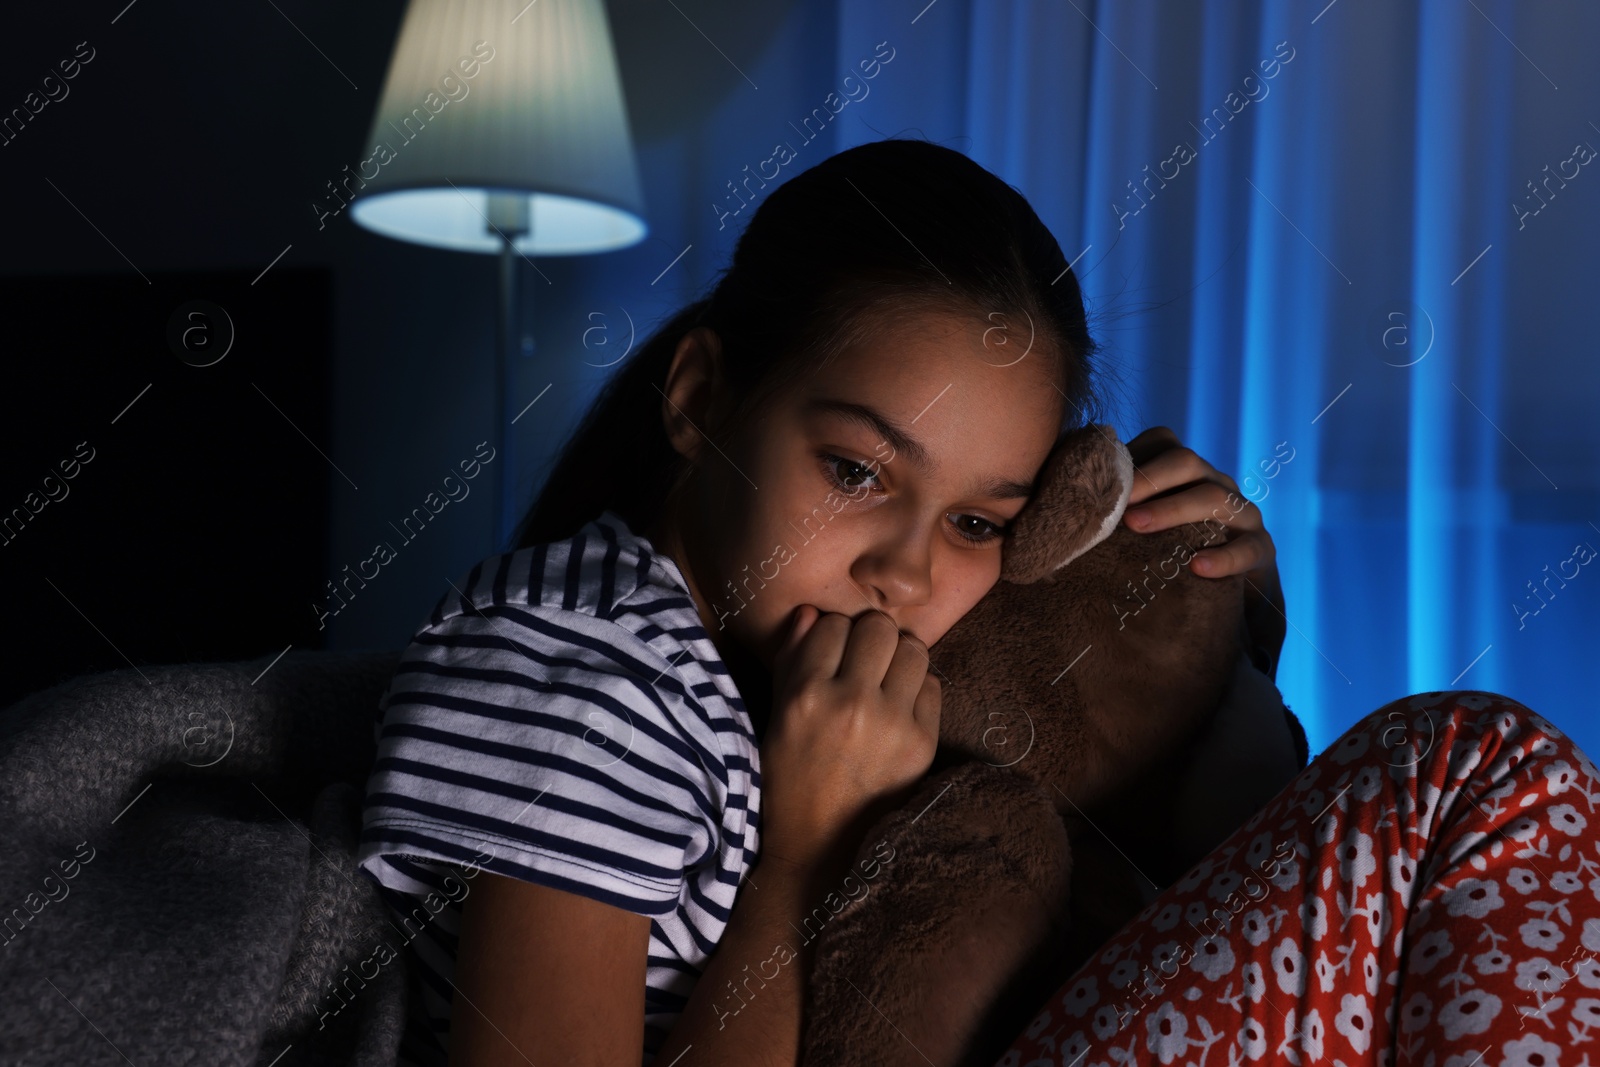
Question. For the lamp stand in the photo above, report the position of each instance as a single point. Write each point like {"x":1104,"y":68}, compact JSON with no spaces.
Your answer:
{"x":509,"y":217}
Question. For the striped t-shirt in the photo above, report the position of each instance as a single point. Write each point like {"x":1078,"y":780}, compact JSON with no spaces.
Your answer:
{"x":562,"y":717}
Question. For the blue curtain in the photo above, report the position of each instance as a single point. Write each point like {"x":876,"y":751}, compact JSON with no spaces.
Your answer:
{"x":1345,"y":250}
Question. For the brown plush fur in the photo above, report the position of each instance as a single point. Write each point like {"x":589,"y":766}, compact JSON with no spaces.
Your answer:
{"x":1071,"y":694}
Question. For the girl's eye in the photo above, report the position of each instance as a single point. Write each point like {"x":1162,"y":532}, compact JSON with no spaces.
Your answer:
{"x":853,"y":477}
{"x":983,"y":531}
{"x":856,"y":476}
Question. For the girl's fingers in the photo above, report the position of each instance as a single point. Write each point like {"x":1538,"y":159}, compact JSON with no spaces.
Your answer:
{"x":817,"y":647}
{"x":1148,"y":444}
{"x":874,"y":639}
{"x":1195,"y":491}
{"x":908,"y":669}
{"x":1245,"y":553}
{"x":805,"y":616}
{"x":1208,"y":500}
{"x":1171,"y":469}
{"x":925,"y":709}
{"x":799,"y":624}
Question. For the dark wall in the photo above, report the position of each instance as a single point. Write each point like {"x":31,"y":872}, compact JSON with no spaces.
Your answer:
{"x":164,"y":497}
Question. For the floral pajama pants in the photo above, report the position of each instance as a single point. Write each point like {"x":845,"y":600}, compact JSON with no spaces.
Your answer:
{"x":1425,"y":892}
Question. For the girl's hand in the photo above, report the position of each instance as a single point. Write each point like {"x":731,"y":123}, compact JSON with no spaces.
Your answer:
{"x":854,"y":727}
{"x":1172,"y":486}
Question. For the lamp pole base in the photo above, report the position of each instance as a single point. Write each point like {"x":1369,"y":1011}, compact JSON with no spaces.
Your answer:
{"x":509,"y":217}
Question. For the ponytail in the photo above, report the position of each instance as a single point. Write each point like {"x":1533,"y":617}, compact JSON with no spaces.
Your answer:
{"x":619,"y":457}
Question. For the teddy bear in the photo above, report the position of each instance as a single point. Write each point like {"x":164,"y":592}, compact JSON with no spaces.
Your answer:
{"x":1102,"y":728}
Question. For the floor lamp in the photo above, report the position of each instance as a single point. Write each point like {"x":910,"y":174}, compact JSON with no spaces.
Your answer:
{"x":502,"y":129}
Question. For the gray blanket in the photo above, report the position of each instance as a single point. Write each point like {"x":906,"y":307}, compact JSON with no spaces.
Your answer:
{"x":178,"y":883}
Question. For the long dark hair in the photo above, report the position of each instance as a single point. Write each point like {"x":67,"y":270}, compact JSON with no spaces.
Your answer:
{"x":887,"y":227}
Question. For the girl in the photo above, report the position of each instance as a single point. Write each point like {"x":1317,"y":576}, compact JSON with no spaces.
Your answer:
{"x":617,"y":762}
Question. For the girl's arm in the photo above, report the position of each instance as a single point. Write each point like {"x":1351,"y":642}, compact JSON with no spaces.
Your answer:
{"x":756,"y":1022}
{"x":545,"y":976}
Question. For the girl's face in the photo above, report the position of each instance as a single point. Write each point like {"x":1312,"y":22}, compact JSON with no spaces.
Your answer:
{"x":883,"y":482}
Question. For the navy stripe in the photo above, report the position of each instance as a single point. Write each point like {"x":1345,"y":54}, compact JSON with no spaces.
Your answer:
{"x":569,"y":599}
{"x":467,"y":588}
{"x":538,"y":561}
{"x":643,"y":570}
{"x":501,"y":575}
{"x":608,"y":569}
{"x":666,"y":602}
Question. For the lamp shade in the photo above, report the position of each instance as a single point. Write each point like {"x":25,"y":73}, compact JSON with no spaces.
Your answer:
{"x":509,"y":110}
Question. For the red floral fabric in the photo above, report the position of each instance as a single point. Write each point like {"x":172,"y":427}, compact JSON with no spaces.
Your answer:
{"x":1425,"y":892}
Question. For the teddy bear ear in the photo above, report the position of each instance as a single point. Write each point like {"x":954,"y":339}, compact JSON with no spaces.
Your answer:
{"x":1078,"y":500}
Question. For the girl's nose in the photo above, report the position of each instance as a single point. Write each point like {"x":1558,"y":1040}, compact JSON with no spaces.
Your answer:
{"x":896,"y":571}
